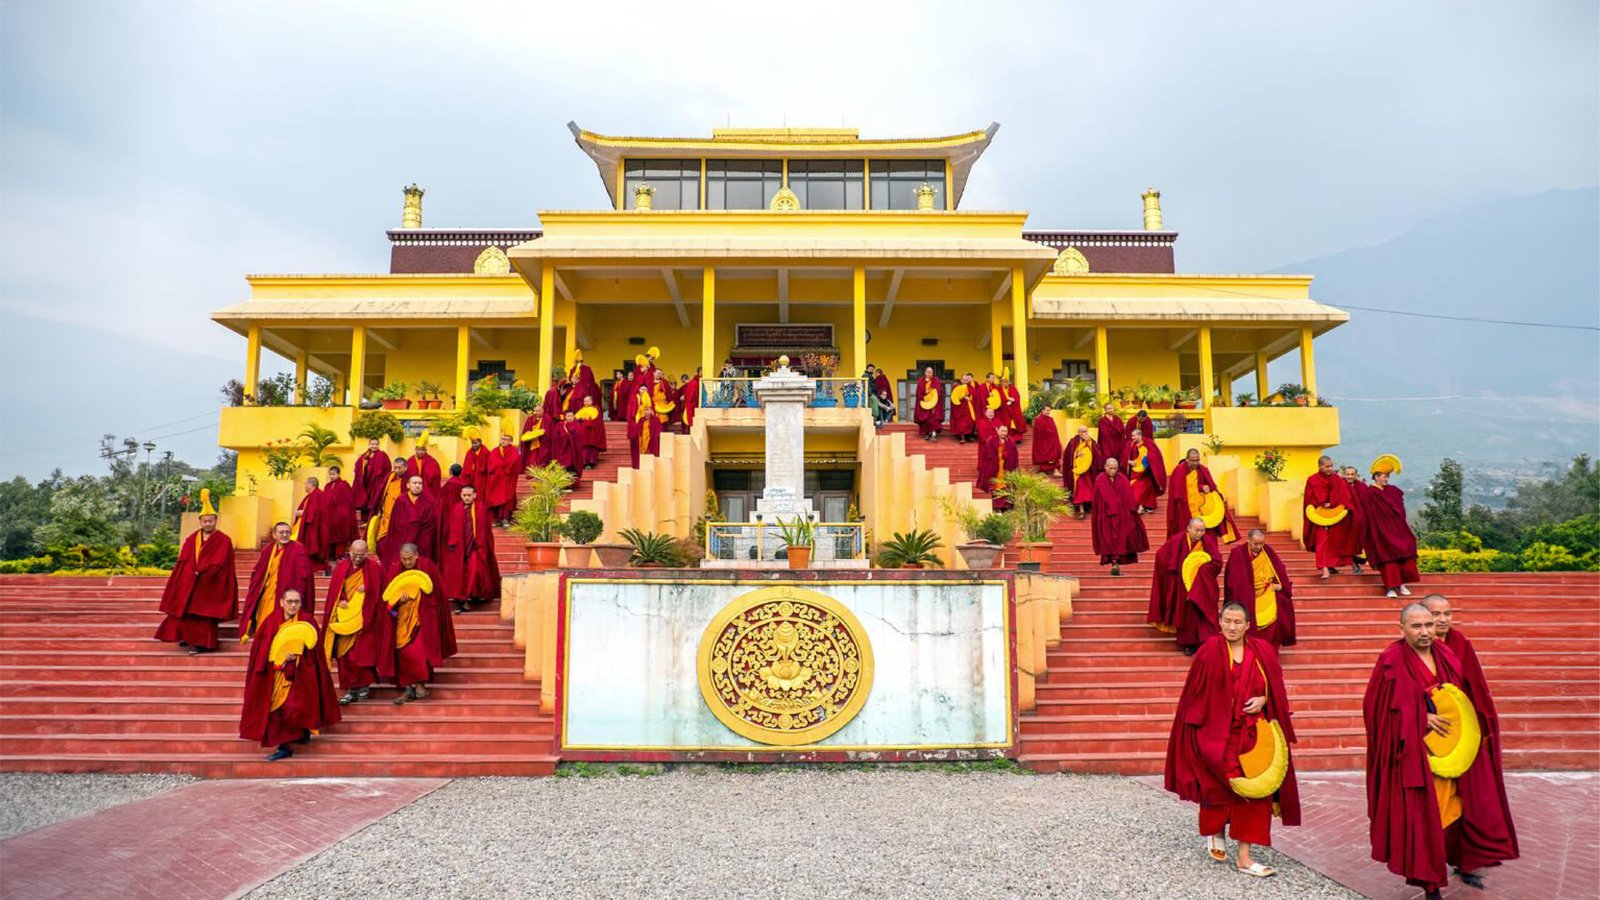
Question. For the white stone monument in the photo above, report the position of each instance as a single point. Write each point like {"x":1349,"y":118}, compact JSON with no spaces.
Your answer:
{"x":784,"y":395}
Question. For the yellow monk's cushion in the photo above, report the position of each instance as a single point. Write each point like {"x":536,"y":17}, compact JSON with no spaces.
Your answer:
{"x":410,"y":583}
{"x":1451,"y":755}
{"x":1333,"y":515}
{"x":1191,"y":566}
{"x":293,"y":639}
{"x":1265,"y":765}
{"x":1212,"y":509}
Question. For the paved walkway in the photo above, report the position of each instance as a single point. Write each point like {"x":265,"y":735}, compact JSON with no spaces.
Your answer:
{"x":206,"y":840}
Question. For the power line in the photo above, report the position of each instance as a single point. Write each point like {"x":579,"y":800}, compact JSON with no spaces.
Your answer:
{"x":1419,"y":315}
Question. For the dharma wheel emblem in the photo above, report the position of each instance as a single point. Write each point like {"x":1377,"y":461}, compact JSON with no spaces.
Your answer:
{"x":785,"y":666}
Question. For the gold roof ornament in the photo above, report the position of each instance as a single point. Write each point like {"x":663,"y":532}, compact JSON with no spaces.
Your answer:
{"x":1070,"y":261}
{"x":411,"y":211}
{"x":644,"y":197}
{"x":492,"y":261}
{"x":925,"y":197}
{"x":1152,"y":209}
{"x":785,"y":200}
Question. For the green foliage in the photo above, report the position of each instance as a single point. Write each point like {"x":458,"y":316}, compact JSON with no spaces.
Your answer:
{"x":1270,"y":462}
{"x":1244,"y":398}
{"x":1465,"y":541}
{"x":316,"y":440}
{"x":711,"y":513}
{"x":1444,"y":512}
{"x":521,"y":397}
{"x":160,"y":553}
{"x":277,"y":390}
{"x":1429,"y":560}
{"x":583,"y":527}
{"x":1037,"y":500}
{"x":23,"y":508}
{"x":394,"y":390}
{"x":376,"y":423}
{"x":319,"y":391}
{"x":1580,"y":535}
{"x":487,"y":396}
{"x":1562,"y":514}
{"x":82,"y":514}
{"x":653,"y":549}
{"x":283,"y":457}
{"x":28,"y":565}
{"x":430,"y":390}
{"x":538,"y":518}
{"x":1214,"y":444}
{"x":996,"y":528}
{"x":459,"y":421}
{"x":1541,"y":557}
{"x":965,"y":515}
{"x":912,"y":548}
{"x":798,"y":531}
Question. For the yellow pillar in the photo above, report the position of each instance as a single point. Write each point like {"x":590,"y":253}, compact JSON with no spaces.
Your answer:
{"x":858,"y":324}
{"x":1019,"y":333}
{"x":569,"y":331}
{"x":1102,"y":363}
{"x":302,"y":361}
{"x":358,"y":365}
{"x":1308,"y":362}
{"x":997,"y":350}
{"x":339,"y":384}
{"x":547,"y":323}
{"x":1263,"y":388}
{"x":463,"y":356}
{"x":1207,"y":377}
{"x":708,"y":323}
{"x":1226,"y":387}
{"x":252,"y":361}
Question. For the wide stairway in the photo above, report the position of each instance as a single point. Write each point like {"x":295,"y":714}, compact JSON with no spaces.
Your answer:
{"x":1107,"y":702}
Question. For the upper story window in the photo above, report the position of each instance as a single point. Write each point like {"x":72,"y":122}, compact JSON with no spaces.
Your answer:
{"x":742,"y":183}
{"x":895,"y":182}
{"x":677,"y":182}
{"x":828,"y":183}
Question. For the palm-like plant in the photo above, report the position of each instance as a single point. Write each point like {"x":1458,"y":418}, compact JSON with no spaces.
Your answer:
{"x":914,"y":548}
{"x":538,"y":518}
{"x":1037,"y":500}
{"x":316,"y":440}
{"x":653,"y":549}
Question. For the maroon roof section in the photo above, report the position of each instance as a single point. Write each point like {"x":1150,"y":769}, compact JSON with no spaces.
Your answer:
{"x":418,"y":251}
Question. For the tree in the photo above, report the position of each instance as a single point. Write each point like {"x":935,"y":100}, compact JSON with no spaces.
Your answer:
{"x":23,"y":508}
{"x":82,"y":513}
{"x":1443,"y":511}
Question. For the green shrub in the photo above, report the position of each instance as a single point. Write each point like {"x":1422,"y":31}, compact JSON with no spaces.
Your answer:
{"x":377,"y":423}
{"x":487,"y":396}
{"x":996,"y":528}
{"x":652,"y":549}
{"x":582,"y":526}
{"x":1465,"y":541}
{"x":1542,"y":557}
{"x":28,"y":565}
{"x":1453,"y":560}
{"x":1580,"y":535}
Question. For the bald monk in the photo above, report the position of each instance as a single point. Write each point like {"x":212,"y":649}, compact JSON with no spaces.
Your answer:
{"x":1187,"y":488}
{"x":423,"y":635}
{"x":1111,"y":433}
{"x":1187,"y":611}
{"x":1387,"y":538}
{"x":339,"y":518}
{"x":283,"y":566}
{"x":1080,"y":463}
{"x":1351,"y":475}
{"x":308,"y":528}
{"x":415,"y":520}
{"x":1336,"y":544}
{"x":1117,"y":533}
{"x":927,"y":405}
{"x":1146,"y":469}
{"x":590,"y":433}
{"x":288,"y":692}
{"x":466,"y":554}
{"x":1234,"y":682}
{"x":1257,"y":580}
{"x":423,"y":464}
{"x":370,"y":477}
{"x":964,"y":410}
{"x":505,"y":466}
{"x":997,"y":457}
{"x":203,"y":590}
{"x":1046,"y":442}
{"x":357,"y":581}
{"x":1423,"y":822}
{"x":987,"y":423}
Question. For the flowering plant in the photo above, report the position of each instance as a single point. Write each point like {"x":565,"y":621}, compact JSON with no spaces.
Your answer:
{"x":1270,"y":462}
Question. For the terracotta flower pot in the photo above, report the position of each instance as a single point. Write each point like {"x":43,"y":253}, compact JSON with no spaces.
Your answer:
{"x":579,"y":556}
{"x":542,"y":556}
{"x":613,"y":556}
{"x":980,"y":554}
{"x":1036,"y":552}
{"x":799,"y":557}
{"x":1161,"y":404}
{"x":402,"y":403}
{"x":911,"y":566}
{"x":431,"y":404}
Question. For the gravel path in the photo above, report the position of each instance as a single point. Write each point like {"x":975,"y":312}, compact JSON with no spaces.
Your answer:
{"x":700,"y":832}
{"x":29,"y":801}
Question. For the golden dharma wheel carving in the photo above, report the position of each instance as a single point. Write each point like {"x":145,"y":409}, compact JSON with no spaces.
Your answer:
{"x":1070,"y":261}
{"x":492,"y":261}
{"x":785,"y":665}
{"x":785,"y":200}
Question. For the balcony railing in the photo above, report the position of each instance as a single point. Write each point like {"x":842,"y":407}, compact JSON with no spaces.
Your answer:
{"x":736,"y":393}
{"x":759,"y":541}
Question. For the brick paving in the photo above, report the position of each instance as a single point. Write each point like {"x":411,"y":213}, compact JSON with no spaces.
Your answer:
{"x":206,"y":840}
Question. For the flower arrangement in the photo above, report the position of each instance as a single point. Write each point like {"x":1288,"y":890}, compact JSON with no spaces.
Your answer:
{"x":1270,"y":462}
{"x":283,"y":457}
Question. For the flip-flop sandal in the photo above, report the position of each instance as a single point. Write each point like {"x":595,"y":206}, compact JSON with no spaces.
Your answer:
{"x":1217,"y":848}
{"x":1257,"y":870}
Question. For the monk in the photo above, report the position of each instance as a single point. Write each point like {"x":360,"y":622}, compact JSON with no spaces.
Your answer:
{"x":1146,"y":469}
{"x":505,"y":466}
{"x":569,"y":448}
{"x":1142,"y":423}
{"x":591,"y":433}
{"x":883,"y":389}
{"x":688,"y":402}
{"x":1423,"y":821}
{"x":370,"y":477}
{"x":665,"y":398}
{"x":1387,"y":538}
{"x":964,"y":411}
{"x":1336,"y":544}
{"x":997,"y":455}
{"x":308,"y":529}
{"x":357,"y":582}
{"x":535,"y":446}
{"x":1351,"y":475}
{"x":987,"y":423}
{"x":423,"y":634}
{"x":649,"y":371}
{"x":1118,"y":534}
{"x":1234,"y":683}
{"x":283,"y":566}
{"x":622,"y":393}
{"x":475,"y":464}
{"x":1011,"y":411}
{"x":1257,"y":580}
{"x":203,"y":590}
{"x":422,"y":464}
{"x":1111,"y":433}
{"x":1187,"y":488}
{"x":449,"y":495}
{"x":644,"y":431}
{"x":415,"y":520}
{"x":1187,"y":609}
{"x":288,"y":692}
{"x":1046,"y":442}
{"x":339,"y":523}
{"x":555,"y":399}
{"x":1079,"y":463}
{"x":382,"y":514}
{"x":583,"y":383}
{"x":928,"y":406}
{"x":466,"y":556}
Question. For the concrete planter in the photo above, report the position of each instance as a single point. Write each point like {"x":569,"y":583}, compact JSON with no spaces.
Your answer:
{"x":613,"y":556}
{"x":981,"y":554}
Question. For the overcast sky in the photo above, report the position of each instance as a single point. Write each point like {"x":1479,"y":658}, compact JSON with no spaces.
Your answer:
{"x":151,"y":154}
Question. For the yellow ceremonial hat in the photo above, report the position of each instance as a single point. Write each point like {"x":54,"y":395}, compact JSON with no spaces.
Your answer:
{"x":1387,"y":463}
{"x":472,"y":433}
{"x":292,"y":639}
{"x":519,"y":383}
{"x":411,"y":582}
{"x":1191,"y":566}
{"x":1213,"y":510}
{"x":1451,"y":755}
{"x":1265,"y":766}
{"x":206,"y":509}
{"x":654,"y":352}
{"x":422,"y":439}
{"x":640,"y":360}
{"x":1005,"y":374}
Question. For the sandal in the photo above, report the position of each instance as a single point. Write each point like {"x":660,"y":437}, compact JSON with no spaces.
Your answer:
{"x":1217,"y":848}
{"x":1257,"y":870}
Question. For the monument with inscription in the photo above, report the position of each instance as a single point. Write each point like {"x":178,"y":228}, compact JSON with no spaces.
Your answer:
{"x":783,"y":395}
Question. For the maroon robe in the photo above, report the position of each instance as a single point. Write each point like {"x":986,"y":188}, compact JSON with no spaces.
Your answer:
{"x":362,"y":656}
{"x":415,"y":521}
{"x":688,"y":404}
{"x":202,"y":591}
{"x":1081,"y":487}
{"x":535,"y":451}
{"x":583,"y":385}
{"x":1190,"y":614}
{"x":505,"y":465}
{"x":1178,"y":514}
{"x":1239,"y":586}
{"x":964,"y":412}
{"x":411,"y":660}
{"x":475,"y":468}
{"x":1402,"y":804}
{"x":996,"y":457}
{"x":1211,"y":729}
{"x":647,"y":378}
{"x":622,"y":394}
{"x":1142,"y":423}
{"x":294,"y":573}
{"x":1335,"y":545}
{"x":884,"y":388}
{"x":1112,"y":435}
{"x":308,"y":528}
{"x":929,"y":421}
{"x":569,"y":450}
{"x":449,"y":498}
{"x":1387,"y":539}
{"x":467,"y":554}
{"x":1118,"y":532}
{"x":312,"y":704}
{"x":1151,"y":483}
{"x":1046,"y":442}
{"x":1011,"y":411}
{"x":644,"y":436}
{"x":591,"y":439}
{"x":370,"y":477}
{"x":428,"y":468}
{"x":338,"y":517}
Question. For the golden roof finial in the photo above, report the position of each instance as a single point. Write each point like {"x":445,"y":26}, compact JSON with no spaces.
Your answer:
{"x":1152,"y":209}
{"x":411,"y":212}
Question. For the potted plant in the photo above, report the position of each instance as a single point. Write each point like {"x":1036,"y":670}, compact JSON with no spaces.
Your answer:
{"x":1037,"y":501}
{"x":375,"y":423}
{"x":987,"y":536}
{"x":799,"y":534}
{"x":538,"y":517}
{"x":652,"y":550}
{"x":582,"y":527}
{"x":393,"y":395}
{"x":852,"y":394}
{"x":911,"y":550}
{"x":1188,"y":399}
{"x":430,"y":391}
{"x":1162,"y":397}
{"x":1244,"y":398}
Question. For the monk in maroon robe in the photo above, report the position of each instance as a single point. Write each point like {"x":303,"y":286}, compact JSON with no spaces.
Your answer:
{"x":1351,"y":476}
{"x":884,"y":389}
{"x":997,"y":456}
{"x":285,"y":700}
{"x":1234,"y":682}
{"x":505,"y":467}
{"x":964,"y":407}
{"x":423,"y":635}
{"x":1186,"y":610}
{"x":1142,"y":423}
{"x":382,"y":512}
{"x":1336,"y":544}
{"x":1011,"y":410}
{"x":644,"y":429}
{"x":1146,"y":469}
{"x":1046,"y":442}
{"x":202,"y":591}
{"x":1423,"y":822}
{"x":591,"y":433}
{"x":1080,"y":463}
{"x":688,"y":402}
{"x":284,"y":565}
{"x":422,"y":464}
{"x":1111,"y":433}
{"x":535,"y":440}
{"x":1118,"y":533}
{"x":555,"y":401}
{"x":622,"y":394}
{"x":358,"y":580}
{"x":308,"y":527}
{"x":1187,"y":488}
{"x":1257,"y":580}
{"x":338,"y":515}
{"x":927,"y":405}
{"x":987,"y":423}
{"x":371,"y":474}
{"x":449,"y":495}
{"x":570,"y":449}
{"x":583,"y":383}
{"x":1387,"y":538}
{"x":471,"y":574}
{"x":474,"y":464}
{"x":415,"y":520}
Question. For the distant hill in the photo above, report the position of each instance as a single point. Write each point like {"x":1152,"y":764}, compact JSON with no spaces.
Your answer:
{"x":1520,"y":398}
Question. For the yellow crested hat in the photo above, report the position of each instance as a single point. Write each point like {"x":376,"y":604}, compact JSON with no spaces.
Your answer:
{"x":640,"y":360}
{"x":206,"y":509}
{"x":1387,"y":463}
{"x":653,"y":353}
{"x":472,"y":433}
{"x":422,"y":439}
{"x":1005,"y":374}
